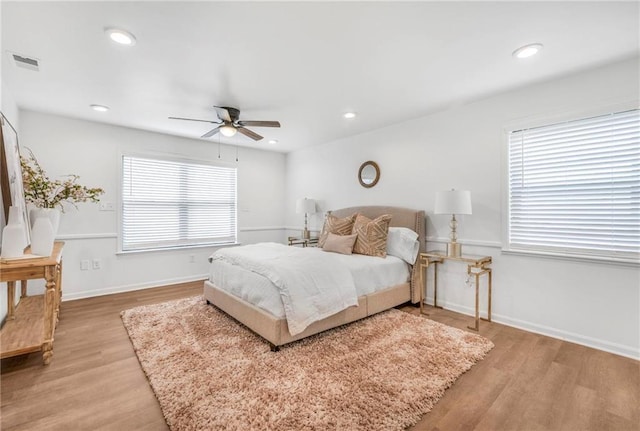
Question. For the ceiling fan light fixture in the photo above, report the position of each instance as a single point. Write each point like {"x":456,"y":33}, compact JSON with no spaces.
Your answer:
{"x":349,"y":115}
{"x":228,"y":130}
{"x":229,"y":124}
{"x":527,"y":50}
{"x":273,"y":141}
{"x":120,"y":36}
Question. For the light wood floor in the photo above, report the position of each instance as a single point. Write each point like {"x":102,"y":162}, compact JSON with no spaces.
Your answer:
{"x":527,"y":382}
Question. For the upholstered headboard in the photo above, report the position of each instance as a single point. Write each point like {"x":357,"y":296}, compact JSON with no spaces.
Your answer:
{"x":400,"y":217}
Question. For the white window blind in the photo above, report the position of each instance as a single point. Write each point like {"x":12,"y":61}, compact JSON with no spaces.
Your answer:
{"x":574,"y":187}
{"x":172,"y":203}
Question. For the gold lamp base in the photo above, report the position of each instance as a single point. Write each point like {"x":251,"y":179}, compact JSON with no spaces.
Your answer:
{"x":306,"y":234}
{"x":454,"y":249}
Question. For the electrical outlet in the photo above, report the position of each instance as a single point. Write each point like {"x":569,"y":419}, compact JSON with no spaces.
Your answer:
{"x":97,"y":263}
{"x":84,"y":264}
{"x":192,"y":258}
{"x":106,"y":206}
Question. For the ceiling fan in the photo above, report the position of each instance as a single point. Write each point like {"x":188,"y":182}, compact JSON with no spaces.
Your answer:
{"x":229,"y":123}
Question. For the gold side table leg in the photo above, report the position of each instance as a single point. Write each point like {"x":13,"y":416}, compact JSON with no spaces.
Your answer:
{"x":477,"y":319}
{"x":421,"y":287}
{"x":488,"y":319}
{"x":424,"y":267}
{"x":435,"y":285}
{"x":424,"y":281}
{"x":489,"y":294}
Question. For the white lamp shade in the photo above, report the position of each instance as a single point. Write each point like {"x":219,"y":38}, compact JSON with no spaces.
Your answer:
{"x":453,"y":202}
{"x":305,"y":206}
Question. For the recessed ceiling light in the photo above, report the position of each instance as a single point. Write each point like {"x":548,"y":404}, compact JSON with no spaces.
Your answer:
{"x":273,"y":141}
{"x":527,"y":50}
{"x":349,"y":115}
{"x":120,"y":36}
{"x":99,"y":108}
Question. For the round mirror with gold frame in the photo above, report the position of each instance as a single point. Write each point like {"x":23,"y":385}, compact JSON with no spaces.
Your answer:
{"x":369,"y":174}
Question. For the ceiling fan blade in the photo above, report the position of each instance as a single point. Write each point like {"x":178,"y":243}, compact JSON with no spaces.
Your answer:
{"x":249,"y":133}
{"x":260,"y":123}
{"x":194,"y":119}
{"x":211,"y":132}
{"x":223,"y":113}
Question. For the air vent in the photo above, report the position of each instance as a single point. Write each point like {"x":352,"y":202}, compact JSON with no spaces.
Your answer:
{"x":26,"y":62}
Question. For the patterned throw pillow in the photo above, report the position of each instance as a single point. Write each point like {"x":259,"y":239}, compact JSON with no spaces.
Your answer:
{"x":337,"y":226}
{"x":372,"y":235}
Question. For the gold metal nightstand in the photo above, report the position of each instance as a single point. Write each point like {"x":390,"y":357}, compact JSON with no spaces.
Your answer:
{"x":476,"y":266}
{"x":304,"y":242}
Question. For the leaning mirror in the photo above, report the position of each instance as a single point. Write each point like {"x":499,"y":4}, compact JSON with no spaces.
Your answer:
{"x":11,"y":188}
{"x":369,"y":174}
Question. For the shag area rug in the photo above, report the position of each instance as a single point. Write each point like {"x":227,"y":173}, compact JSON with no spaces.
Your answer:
{"x":209,"y":372}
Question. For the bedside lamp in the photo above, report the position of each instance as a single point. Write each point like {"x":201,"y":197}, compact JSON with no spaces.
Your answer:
{"x":306,"y":206}
{"x":453,"y":202}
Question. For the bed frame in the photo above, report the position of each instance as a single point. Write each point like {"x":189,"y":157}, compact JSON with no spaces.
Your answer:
{"x":276,"y":331}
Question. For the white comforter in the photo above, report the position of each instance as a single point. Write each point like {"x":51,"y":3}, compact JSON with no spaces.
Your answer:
{"x":312,"y":286}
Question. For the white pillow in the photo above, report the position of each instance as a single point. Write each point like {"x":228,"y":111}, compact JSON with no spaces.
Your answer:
{"x":402,"y":242}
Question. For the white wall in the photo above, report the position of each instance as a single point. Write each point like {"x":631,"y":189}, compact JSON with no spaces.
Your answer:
{"x":595,"y":304}
{"x":92,"y":150}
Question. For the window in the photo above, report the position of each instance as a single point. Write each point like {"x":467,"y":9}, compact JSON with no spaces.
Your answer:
{"x":176,"y":203}
{"x":574,"y":187}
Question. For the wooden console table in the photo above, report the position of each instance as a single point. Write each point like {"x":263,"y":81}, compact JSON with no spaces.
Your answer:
{"x":31,"y":324}
{"x":476,"y":266}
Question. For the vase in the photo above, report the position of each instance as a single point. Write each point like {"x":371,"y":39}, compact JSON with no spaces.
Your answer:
{"x":52,"y":213}
{"x":13,"y":235}
{"x":42,"y":237}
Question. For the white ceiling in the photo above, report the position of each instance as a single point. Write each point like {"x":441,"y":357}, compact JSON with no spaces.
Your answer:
{"x":301,"y":63}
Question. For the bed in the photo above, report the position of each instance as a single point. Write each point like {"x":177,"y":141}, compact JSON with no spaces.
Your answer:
{"x":265,"y":318}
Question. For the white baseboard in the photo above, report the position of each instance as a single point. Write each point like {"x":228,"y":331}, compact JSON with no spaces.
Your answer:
{"x":132,"y":287}
{"x":607,"y":346}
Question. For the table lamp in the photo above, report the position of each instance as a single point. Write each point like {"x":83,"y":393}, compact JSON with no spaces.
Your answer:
{"x":453,"y":202}
{"x":306,"y":206}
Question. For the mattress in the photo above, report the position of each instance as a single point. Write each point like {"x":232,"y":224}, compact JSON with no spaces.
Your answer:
{"x":370,"y":274}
